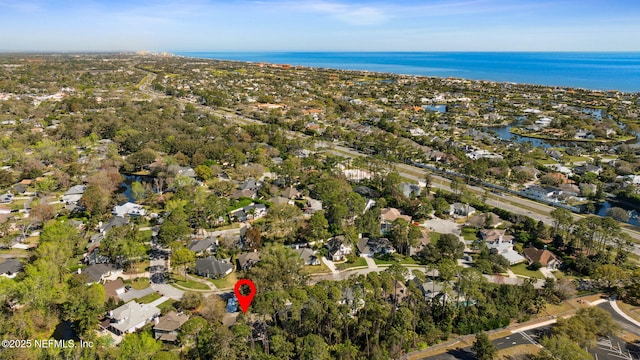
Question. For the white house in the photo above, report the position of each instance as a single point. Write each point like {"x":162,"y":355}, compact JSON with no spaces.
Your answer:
{"x":130,"y":209}
{"x":131,"y":317}
{"x":338,"y":249}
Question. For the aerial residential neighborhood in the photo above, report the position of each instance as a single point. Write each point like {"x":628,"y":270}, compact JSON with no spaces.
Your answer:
{"x":142,"y":187}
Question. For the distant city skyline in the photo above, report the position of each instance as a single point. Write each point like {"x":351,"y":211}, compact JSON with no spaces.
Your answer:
{"x":319,"y":25}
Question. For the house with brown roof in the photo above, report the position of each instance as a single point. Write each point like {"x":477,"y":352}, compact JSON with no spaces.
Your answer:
{"x":545,"y":257}
{"x":388,"y":216}
{"x":166,"y":327}
{"x":114,"y":289}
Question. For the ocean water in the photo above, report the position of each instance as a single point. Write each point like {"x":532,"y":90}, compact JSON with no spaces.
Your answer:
{"x":588,"y":70}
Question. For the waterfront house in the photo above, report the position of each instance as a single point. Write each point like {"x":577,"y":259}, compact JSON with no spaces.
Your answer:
{"x":129,"y":209}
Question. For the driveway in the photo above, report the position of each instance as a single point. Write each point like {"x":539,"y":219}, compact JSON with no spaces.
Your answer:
{"x":443,"y":226}
{"x":136,"y":294}
{"x":168,"y":291}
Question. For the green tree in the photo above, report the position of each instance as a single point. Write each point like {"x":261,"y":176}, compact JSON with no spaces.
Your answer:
{"x":561,"y":347}
{"x":312,"y":347}
{"x":181,"y":256}
{"x":138,"y":191}
{"x":137,"y":346}
{"x":483,"y":347}
{"x":279,"y":268}
{"x":450,"y":246}
{"x":191,"y":300}
{"x":318,"y":227}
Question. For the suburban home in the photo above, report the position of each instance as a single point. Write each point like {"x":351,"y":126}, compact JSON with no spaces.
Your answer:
{"x":238,"y":194}
{"x":98,"y":273}
{"x":484,"y":220}
{"x":249,"y":212}
{"x":93,"y":256}
{"x":338,"y":248}
{"x":113,"y":222}
{"x":10,"y":268}
{"x":505,"y":249}
{"x":291,"y":193}
{"x":247,"y":260}
{"x":539,"y":192}
{"x":460,"y":209}
{"x":545,"y":257}
{"x":250,"y":184}
{"x":587,"y":168}
{"x":501,"y":244}
{"x":422,"y":242}
{"x":212,"y":268}
{"x":166,"y":327}
{"x":570,"y":189}
{"x":130,"y":209}
{"x":130,"y":317}
{"x":369,"y":247}
{"x":491,"y":236}
{"x":388,"y":216}
{"x":308,"y":256}
{"x":114,"y":288}
{"x":205,"y":246}
{"x":433,"y":291}
{"x":74,"y":194}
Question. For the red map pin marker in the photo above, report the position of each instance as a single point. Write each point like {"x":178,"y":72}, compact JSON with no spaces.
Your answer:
{"x":245,"y":300}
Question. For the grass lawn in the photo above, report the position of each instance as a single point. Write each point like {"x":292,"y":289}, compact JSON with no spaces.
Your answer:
{"x":360,"y":261}
{"x":571,"y":159}
{"x":167,"y":306}
{"x":508,"y":353}
{"x":551,"y":309}
{"x":390,"y":259}
{"x":469,"y":233}
{"x":546,"y":161}
{"x":189,"y":284}
{"x":138,"y":283}
{"x":630,"y":310}
{"x":521,"y":269}
{"x":317,"y":269}
{"x":137,"y":268}
{"x":226,"y":282}
{"x":228,"y":227}
{"x":434,"y":236}
{"x":149,"y":298}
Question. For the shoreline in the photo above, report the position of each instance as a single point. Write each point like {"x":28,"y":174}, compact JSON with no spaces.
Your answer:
{"x":432,"y":71}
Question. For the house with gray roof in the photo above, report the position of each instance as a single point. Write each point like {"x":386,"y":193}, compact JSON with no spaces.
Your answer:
{"x":97,"y":273}
{"x":212,"y":268}
{"x":308,"y":256}
{"x":203,"y":246}
{"x":10,"y":268}
{"x":74,"y":194}
{"x":247,"y":260}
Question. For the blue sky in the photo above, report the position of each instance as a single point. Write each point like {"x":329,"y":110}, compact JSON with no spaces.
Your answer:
{"x":320,"y":25}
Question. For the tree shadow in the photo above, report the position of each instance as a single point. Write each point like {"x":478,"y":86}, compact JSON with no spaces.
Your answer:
{"x":462,"y":354}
